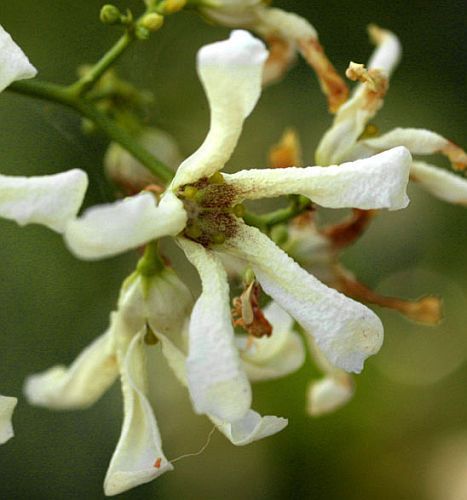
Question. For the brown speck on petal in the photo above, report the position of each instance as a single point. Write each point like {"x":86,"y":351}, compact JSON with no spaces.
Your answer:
{"x":157,"y":463}
{"x":331,"y":83}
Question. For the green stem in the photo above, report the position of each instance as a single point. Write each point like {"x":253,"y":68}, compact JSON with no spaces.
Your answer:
{"x":267,"y":221}
{"x":91,"y":77}
{"x":63,"y":95}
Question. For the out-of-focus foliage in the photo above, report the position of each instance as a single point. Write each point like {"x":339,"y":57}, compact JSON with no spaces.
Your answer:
{"x":399,"y":436}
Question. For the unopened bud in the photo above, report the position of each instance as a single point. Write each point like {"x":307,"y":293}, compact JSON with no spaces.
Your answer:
{"x":172,"y":6}
{"x":110,"y":14}
{"x":152,"y":21}
{"x":128,"y":173}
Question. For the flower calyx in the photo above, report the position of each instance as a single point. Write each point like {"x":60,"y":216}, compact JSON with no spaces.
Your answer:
{"x":210,"y":209}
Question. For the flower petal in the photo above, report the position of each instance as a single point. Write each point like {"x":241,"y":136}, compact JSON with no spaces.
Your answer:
{"x":14,"y":65}
{"x":217,"y":382}
{"x":282,"y":353}
{"x":328,"y":394}
{"x":80,"y":385}
{"x":388,"y":50}
{"x":347,"y":332}
{"x":7,"y":405}
{"x":231,"y":75}
{"x":138,"y":457}
{"x":250,"y":428}
{"x":376,"y":182}
{"x":51,"y":200}
{"x":418,"y":141}
{"x":108,"y":230}
{"x":440,"y":183}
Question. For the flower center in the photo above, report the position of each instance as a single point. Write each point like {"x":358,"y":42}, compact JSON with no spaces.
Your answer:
{"x":211,"y":216}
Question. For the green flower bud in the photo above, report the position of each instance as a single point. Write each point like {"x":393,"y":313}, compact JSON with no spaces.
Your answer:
{"x":152,"y":21}
{"x":110,"y":14}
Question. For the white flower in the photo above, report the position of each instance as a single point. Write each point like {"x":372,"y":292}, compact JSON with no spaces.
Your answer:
{"x":151,"y":309}
{"x":285,"y":33}
{"x":200,"y":206}
{"x":343,"y":142}
{"x":147,"y":305}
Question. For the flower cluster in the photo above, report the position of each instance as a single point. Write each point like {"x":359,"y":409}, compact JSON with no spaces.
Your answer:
{"x":203,"y":210}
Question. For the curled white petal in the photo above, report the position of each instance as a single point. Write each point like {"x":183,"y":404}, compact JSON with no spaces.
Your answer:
{"x":250,"y":428}
{"x":138,"y":457}
{"x":388,"y":50}
{"x":376,"y":182}
{"x":108,"y":230}
{"x":7,"y":405}
{"x":346,"y":331}
{"x":80,"y":385}
{"x":282,"y":353}
{"x":418,"y":141}
{"x":14,"y":65}
{"x":231,"y":75}
{"x":51,"y":200}
{"x":328,"y":394}
{"x":440,"y":183}
{"x":216,"y":380}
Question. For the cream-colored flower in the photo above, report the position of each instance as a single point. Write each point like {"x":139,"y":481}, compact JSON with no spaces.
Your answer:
{"x":201,"y":207}
{"x":147,"y":306}
{"x":152,"y":310}
{"x":286,"y":34}
{"x":346,"y":141}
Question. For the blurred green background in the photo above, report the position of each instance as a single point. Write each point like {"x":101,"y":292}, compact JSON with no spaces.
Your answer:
{"x":404,"y":436}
